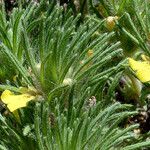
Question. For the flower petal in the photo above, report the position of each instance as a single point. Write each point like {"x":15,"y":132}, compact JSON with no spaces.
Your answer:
{"x":142,"y":69}
{"x":13,"y":101}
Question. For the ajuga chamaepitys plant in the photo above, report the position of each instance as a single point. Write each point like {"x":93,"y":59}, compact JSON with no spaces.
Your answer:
{"x":61,"y":69}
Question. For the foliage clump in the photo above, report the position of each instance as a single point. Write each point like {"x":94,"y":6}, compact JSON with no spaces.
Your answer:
{"x":74,"y":75}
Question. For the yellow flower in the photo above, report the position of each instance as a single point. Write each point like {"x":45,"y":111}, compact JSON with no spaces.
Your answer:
{"x":13,"y":101}
{"x":141,"y":68}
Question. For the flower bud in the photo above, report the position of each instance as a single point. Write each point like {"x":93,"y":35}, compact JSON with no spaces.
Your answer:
{"x":68,"y":81}
{"x":110,"y":22}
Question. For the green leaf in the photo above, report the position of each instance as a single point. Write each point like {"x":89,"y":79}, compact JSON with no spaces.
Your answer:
{"x":15,"y":62}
